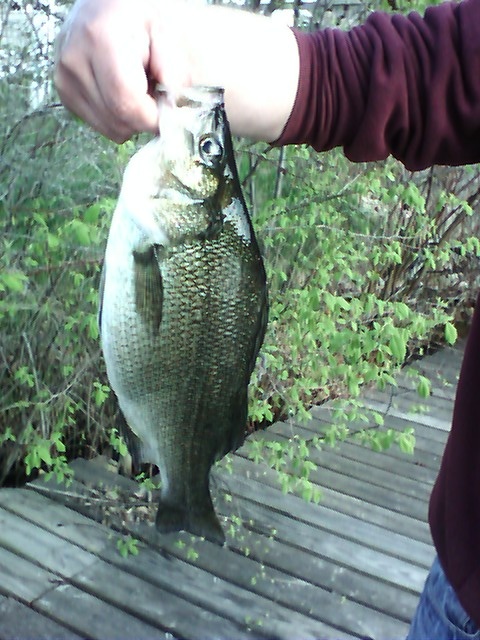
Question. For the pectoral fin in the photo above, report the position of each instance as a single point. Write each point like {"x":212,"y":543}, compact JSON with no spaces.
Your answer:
{"x":148,"y":287}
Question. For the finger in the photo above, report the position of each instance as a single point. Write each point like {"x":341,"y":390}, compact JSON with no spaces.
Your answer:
{"x":105,"y":101}
{"x":108,"y":90}
{"x":82,"y":99}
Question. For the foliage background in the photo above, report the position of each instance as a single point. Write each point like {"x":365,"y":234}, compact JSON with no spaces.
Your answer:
{"x":368,"y":265}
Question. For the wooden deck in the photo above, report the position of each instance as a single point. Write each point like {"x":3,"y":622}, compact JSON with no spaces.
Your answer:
{"x":349,"y":567}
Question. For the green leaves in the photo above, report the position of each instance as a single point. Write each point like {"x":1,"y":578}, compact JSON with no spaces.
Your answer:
{"x":398,"y":347}
{"x":406,"y":441}
{"x":383,"y":440}
{"x":46,"y":453}
{"x":100,"y":393}
{"x":291,"y":459}
{"x":117,"y":442}
{"x":360,"y":261}
{"x":423,"y":387}
{"x":58,"y":183}
{"x":80,"y":232}
{"x":450,"y":333}
{"x":13,"y":281}
{"x":127,"y":546}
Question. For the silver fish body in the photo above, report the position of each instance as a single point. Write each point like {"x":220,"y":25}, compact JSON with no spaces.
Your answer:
{"x":183,"y":305}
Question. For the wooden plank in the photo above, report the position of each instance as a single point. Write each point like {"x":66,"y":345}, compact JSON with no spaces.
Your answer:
{"x":446,"y":362}
{"x":289,"y":585}
{"x":335,"y":500}
{"x":392,"y":521}
{"x":18,"y":621}
{"x":162,"y":607}
{"x":295,"y":513}
{"x":442,"y":368}
{"x":137,"y":596}
{"x":94,"y":618}
{"x":303,"y":572}
{"x":324,"y":614}
{"x":399,"y":503}
{"x":427,"y":453}
{"x":288,"y":595}
{"x":256,"y":485}
{"x":326,"y":519}
{"x":401,"y":464}
{"x":62,"y":558}
{"x":35,"y":506}
{"x":141,"y":597}
{"x":370,"y":616}
{"x":350,"y":567}
{"x":22,"y":579}
{"x":65,"y":523}
{"x":41,"y":547}
{"x":336,"y":611}
{"x":413,"y":507}
{"x":438,"y":416}
{"x":409,"y":401}
{"x":429,"y":439}
{"x":440,"y":387}
{"x":384,"y":477}
{"x":211,"y":592}
{"x":45,"y":549}
{"x":344,"y":552}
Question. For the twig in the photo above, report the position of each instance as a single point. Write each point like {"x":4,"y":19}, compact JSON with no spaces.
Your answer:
{"x":45,"y":431}
{"x":88,"y":498}
{"x":28,"y":116}
{"x":280,"y":173}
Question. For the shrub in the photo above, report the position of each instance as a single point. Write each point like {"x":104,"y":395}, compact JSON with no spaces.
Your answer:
{"x":368,"y":266}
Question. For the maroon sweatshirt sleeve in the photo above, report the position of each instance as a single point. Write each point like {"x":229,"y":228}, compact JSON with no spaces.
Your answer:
{"x":410,"y":87}
{"x":406,"y":86}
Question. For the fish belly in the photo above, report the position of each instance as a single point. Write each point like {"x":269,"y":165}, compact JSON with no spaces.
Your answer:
{"x":182,"y":385}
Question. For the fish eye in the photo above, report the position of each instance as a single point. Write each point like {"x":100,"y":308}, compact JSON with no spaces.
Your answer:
{"x":211,"y":150}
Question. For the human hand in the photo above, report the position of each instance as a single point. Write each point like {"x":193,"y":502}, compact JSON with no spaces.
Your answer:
{"x":110,"y":54}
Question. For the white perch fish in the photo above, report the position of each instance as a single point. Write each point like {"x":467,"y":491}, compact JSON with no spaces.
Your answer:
{"x":183,"y":305}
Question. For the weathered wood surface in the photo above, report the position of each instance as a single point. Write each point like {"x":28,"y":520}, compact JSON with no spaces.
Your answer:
{"x":350,"y":567}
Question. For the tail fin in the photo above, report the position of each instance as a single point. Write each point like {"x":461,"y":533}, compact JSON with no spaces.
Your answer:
{"x":201,"y":523}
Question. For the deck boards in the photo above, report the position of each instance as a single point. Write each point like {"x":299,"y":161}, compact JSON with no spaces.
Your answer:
{"x":19,"y":621}
{"x":350,"y":567}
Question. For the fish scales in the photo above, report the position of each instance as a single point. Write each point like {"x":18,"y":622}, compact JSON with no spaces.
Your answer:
{"x":184,"y":306}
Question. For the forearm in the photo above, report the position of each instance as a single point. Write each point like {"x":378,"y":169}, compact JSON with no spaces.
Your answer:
{"x":397,"y":85}
{"x":254,"y":58}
